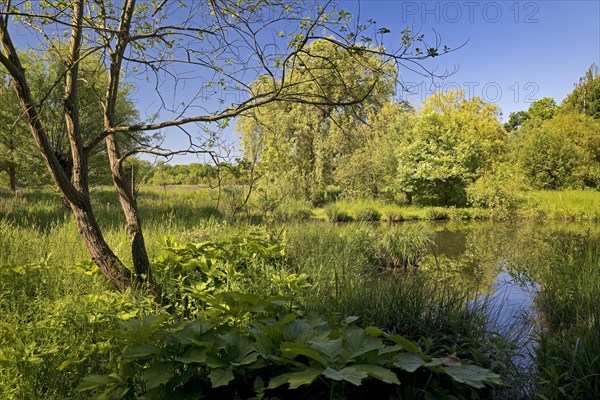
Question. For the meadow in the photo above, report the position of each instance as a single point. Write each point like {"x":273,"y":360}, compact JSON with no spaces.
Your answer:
{"x":418,"y":289}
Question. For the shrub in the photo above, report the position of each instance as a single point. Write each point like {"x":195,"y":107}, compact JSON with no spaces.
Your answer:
{"x":436,"y":214}
{"x":498,"y":192}
{"x":336,"y":215}
{"x":368,"y":215}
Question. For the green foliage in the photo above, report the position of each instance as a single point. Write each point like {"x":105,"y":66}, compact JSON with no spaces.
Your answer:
{"x":541,"y":110}
{"x":561,"y":152}
{"x":321,"y":197}
{"x":436,"y":214}
{"x":368,"y":215}
{"x":186,"y":272}
{"x":452,"y":141}
{"x":501,"y":192}
{"x":403,"y":246}
{"x":276,"y":354}
{"x":52,"y":328}
{"x":46,"y":78}
{"x":189,"y":174}
{"x":293,"y":210}
{"x":299,"y":146}
{"x":335,"y":214}
{"x":585,"y":98}
{"x":567,"y":357}
{"x":516,"y":120}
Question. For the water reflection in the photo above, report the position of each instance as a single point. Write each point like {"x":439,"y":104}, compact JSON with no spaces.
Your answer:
{"x":505,"y":263}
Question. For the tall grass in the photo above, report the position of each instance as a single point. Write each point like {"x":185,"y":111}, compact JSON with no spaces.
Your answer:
{"x":568,"y":356}
{"x":53,"y":322}
{"x":568,"y":205}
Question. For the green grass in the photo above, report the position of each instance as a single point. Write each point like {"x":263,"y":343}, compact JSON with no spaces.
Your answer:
{"x":568,"y":356}
{"x":41,"y":285}
{"x":568,"y":205}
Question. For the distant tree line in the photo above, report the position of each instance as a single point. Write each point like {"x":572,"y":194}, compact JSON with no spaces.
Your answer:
{"x":448,"y":151}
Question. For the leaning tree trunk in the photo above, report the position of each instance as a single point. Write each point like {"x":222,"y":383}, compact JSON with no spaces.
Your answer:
{"x":125,"y":191}
{"x":100,"y":252}
{"x":141,"y":263}
{"x":74,"y":188}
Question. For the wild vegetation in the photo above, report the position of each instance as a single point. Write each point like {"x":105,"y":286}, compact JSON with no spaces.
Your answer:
{"x":268,"y":273}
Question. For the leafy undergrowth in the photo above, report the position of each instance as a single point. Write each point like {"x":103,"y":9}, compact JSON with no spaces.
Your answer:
{"x":239,"y":330}
{"x":244,"y":346}
{"x":52,"y":329}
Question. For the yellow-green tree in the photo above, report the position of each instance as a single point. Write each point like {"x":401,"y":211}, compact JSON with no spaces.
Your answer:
{"x":300,"y":145}
{"x":563,"y":151}
{"x":453,"y":140}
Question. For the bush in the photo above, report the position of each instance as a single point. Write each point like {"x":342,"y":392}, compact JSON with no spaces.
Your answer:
{"x":498,"y":192}
{"x":336,"y":215}
{"x":436,"y":214}
{"x":368,"y":215}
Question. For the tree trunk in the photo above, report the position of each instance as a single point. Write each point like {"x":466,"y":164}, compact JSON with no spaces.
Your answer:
{"x":141,"y":262}
{"x":12,"y":177}
{"x":101,"y":254}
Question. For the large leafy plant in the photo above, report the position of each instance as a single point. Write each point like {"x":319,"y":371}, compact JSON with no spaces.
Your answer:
{"x":246,"y":346}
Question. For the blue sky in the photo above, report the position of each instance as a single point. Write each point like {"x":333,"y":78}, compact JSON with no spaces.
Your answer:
{"x":516,"y":52}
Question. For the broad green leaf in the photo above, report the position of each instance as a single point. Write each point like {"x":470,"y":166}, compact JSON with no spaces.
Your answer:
{"x":248,"y":359}
{"x":140,"y":350}
{"x":473,"y":375}
{"x":409,"y":362}
{"x":297,"y":379}
{"x":193,"y":355}
{"x":350,"y":374}
{"x":373,"y":331}
{"x":158,"y":374}
{"x":377,"y":372}
{"x":405,"y":343}
{"x":357,"y":343}
{"x":292,"y":350}
{"x":330,"y":349}
{"x":95,"y":381}
{"x":220,"y":377}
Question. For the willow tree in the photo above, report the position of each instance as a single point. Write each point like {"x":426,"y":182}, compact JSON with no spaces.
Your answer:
{"x":218,"y":46}
{"x":298,"y":146}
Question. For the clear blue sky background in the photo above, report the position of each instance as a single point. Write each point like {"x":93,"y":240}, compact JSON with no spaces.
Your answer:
{"x":517,"y":51}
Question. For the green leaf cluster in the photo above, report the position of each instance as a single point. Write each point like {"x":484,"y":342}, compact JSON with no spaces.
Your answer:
{"x":277,"y":354}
